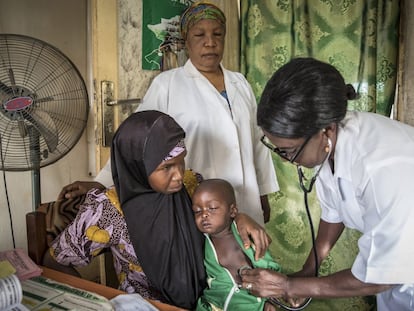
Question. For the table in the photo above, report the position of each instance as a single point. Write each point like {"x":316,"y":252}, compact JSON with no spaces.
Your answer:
{"x":105,"y":291}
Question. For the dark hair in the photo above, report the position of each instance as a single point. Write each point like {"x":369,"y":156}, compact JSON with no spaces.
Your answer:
{"x":302,"y":97}
{"x":223,"y":187}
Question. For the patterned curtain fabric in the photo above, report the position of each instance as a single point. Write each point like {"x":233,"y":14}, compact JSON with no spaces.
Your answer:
{"x":360,"y":38}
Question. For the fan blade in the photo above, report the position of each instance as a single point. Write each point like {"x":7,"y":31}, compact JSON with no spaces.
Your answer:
{"x":44,"y":99}
{"x":45,"y":125}
{"x":6,"y":89}
{"x":12,"y":80}
{"x":22,"y":128}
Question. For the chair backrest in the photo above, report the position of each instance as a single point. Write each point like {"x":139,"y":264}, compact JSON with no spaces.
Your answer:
{"x":47,"y":222}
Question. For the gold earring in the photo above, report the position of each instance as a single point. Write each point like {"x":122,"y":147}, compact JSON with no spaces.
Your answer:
{"x":327,"y":147}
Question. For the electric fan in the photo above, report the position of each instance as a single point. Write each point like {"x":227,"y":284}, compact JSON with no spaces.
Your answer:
{"x":44,"y":106}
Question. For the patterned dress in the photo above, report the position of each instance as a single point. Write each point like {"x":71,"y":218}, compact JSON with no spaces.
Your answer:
{"x":100,"y":224}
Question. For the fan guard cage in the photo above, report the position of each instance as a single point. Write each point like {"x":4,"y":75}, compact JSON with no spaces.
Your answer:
{"x":44,"y":103}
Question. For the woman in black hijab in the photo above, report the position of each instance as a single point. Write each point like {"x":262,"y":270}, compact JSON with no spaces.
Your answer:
{"x":150,"y":229}
{"x":147,"y":157}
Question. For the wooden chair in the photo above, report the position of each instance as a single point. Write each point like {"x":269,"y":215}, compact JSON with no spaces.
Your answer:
{"x":45,"y":224}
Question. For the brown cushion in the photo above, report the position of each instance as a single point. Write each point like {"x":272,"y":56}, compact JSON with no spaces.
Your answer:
{"x":59,"y":214}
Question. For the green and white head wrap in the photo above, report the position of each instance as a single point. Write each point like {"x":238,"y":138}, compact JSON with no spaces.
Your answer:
{"x":198,"y":11}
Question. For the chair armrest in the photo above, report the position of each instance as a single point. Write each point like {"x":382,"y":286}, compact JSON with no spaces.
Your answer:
{"x":36,"y":236}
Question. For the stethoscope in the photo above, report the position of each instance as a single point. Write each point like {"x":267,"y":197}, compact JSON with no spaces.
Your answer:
{"x":306,"y":191}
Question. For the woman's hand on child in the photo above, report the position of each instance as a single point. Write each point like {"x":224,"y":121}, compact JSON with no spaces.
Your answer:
{"x":251,"y":231}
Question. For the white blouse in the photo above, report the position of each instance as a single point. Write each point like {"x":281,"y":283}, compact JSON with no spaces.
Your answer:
{"x":372,"y":191}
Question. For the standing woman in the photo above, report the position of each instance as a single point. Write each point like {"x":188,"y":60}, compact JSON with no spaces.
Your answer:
{"x":217,"y":109}
{"x":364,"y":168}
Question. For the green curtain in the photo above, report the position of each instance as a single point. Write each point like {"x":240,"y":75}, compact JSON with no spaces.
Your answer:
{"x":360,"y":38}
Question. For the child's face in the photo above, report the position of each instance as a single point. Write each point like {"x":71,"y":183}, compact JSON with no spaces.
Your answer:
{"x":212,"y":213}
{"x":168,"y":176}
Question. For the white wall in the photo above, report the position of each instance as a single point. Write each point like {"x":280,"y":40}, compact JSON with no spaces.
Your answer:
{"x":62,"y":24}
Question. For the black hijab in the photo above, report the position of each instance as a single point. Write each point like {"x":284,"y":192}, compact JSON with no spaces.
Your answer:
{"x":161,"y":226}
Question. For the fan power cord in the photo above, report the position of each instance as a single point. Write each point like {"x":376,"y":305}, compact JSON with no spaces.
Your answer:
{"x":7,"y":194}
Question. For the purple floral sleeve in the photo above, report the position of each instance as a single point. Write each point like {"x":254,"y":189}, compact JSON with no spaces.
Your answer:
{"x":100,"y":224}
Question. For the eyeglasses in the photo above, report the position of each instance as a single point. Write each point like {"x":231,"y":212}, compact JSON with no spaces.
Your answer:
{"x":282,"y":153}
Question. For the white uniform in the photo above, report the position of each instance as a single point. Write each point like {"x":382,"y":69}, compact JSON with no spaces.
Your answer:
{"x":372,"y":191}
{"x":222,"y":139}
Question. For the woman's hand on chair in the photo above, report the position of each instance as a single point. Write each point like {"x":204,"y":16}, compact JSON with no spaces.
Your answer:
{"x":78,"y":188}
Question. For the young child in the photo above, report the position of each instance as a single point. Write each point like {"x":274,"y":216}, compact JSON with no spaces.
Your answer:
{"x":214,"y":207}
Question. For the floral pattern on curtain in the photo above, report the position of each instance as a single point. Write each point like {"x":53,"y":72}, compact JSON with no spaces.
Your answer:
{"x":360,"y":38}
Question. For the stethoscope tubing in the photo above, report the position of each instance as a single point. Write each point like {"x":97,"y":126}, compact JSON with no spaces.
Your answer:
{"x":306,"y":191}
